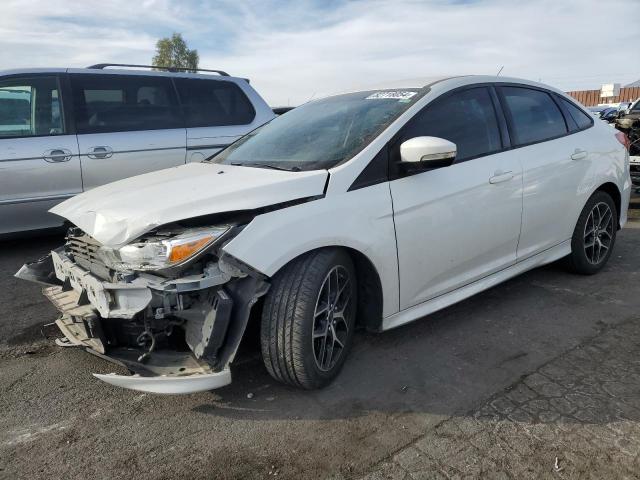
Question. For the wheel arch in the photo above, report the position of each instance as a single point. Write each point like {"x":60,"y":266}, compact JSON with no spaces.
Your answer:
{"x":370,"y":294}
{"x":369,"y":311}
{"x":613,"y":191}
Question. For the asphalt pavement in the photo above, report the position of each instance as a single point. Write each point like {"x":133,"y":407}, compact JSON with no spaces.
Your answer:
{"x":396,"y":389}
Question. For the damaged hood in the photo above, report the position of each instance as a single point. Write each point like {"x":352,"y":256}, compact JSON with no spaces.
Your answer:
{"x":119,"y":212}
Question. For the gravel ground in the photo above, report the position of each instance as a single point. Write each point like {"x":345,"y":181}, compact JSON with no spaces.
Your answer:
{"x":490,"y":386}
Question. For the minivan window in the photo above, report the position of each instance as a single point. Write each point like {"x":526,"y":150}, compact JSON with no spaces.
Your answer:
{"x":466,"y":118}
{"x":214,"y":103}
{"x":30,"y":107}
{"x":120,"y":103}
{"x":582,"y":119}
{"x":534,"y":115}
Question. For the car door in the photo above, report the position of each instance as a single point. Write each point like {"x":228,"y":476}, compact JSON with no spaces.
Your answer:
{"x":555,"y":166}
{"x":217,"y":112}
{"x":39,"y":163}
{"x":127,"y":125}
{"x":456,"y":224}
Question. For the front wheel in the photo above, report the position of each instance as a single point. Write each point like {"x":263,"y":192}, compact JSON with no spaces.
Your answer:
{"x":308,"y":319}
{"x":594,"y":235}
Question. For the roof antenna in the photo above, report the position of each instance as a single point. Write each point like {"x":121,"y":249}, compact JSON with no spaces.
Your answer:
{"x":499,"y":71}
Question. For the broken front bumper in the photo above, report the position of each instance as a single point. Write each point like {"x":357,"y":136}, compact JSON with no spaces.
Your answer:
{"x":163,"y":372}
{"x":213,"y":329}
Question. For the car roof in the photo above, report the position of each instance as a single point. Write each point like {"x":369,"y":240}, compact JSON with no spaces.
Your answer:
{"x":446,"y":82}
{"x":115,"y":71}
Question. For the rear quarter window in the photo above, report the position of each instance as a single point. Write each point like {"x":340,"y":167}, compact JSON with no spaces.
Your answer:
{"x":534,"y":116}
{"x":213,"y":103}
{"x":582,"y":120}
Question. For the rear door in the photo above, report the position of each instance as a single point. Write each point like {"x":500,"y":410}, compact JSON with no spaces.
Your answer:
{"x":556,"y":166}
{"x":39,"y":164}
{"x":127,"y":125}
{"x":217,"y":112}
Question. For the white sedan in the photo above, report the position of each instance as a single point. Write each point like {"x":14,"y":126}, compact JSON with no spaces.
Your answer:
{"x":368,"y":209}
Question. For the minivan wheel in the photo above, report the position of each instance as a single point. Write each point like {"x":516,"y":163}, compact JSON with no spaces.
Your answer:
{"x":308,"y":319}
{"x":594,"y":235}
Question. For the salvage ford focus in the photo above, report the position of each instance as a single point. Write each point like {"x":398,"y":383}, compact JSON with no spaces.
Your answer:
{"x":367,"y":209}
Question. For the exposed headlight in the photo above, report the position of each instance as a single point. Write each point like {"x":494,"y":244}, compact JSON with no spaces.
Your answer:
{"x":159,"y":253}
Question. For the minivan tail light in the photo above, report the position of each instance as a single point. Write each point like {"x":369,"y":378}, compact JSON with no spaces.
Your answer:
{"x":623,"y":139}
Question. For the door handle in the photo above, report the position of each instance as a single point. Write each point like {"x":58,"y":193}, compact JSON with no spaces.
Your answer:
{"x":500,"y":176}
{"x":100,"y":152}
{"x":57,"y":155}
{"x":579,"y":154}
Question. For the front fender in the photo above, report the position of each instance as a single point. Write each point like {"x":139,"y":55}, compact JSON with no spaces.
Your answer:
{"x":360,"y":219}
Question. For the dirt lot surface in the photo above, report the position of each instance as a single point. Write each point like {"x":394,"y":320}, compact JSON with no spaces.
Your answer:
{"x":544,"y":366}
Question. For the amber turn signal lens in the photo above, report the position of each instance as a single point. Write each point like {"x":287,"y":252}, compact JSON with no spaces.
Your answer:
{"x":182,"y":252}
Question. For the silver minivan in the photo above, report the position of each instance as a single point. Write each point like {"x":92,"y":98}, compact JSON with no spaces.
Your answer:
{"x":65,"y":131}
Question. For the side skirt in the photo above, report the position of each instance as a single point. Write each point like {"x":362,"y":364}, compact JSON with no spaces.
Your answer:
{"x":425,"y":308}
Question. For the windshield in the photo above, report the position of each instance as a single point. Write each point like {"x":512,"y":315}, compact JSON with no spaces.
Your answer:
{"x":320,"y":134}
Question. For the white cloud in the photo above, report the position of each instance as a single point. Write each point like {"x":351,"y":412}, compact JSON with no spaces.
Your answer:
{"x":292,"y":51}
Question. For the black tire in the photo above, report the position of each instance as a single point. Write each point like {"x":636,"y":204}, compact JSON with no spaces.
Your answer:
{"x":583,"y":258}
{"x":287,"y":327}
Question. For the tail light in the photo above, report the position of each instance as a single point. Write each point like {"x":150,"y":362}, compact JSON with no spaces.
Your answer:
{"x":623,"y":139}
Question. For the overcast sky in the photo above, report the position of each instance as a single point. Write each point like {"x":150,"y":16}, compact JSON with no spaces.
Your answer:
{"x":292,"y":51}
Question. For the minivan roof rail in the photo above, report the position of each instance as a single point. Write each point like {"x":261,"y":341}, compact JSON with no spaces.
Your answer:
{"x":102,"y":66}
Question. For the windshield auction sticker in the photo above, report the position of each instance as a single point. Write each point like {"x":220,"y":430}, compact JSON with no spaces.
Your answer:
{"x":391,"y":95}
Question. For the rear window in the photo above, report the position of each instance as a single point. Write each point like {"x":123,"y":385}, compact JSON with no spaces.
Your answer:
{"x":535,"y":117}
{"x":214,"y":103}
{"x":119,"y":103}
{"x":582,"y":119}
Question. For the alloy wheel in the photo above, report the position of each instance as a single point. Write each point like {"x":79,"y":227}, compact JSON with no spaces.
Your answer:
{"x":332,"y":317}
{"x":598,"y":233}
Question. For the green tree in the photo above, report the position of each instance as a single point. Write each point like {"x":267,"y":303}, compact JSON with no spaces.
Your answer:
{"x":173,"y":52}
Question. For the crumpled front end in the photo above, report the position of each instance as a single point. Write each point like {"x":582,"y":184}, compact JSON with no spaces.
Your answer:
{"x":176,"y":333}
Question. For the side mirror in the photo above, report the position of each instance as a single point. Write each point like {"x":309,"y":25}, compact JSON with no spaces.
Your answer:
{"x":429,"y":152}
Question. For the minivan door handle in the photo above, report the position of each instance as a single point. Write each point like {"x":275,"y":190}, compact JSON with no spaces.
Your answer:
{"x":100,"y":152}
{"x":57,"y":155}
{"x":579,"y":154}
{"x":500,"y":176}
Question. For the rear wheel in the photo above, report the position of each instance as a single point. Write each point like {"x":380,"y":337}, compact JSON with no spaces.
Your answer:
{"x":308,"y":319}
{"x":594,"y":235}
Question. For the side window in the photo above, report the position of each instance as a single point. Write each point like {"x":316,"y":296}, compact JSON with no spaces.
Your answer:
{"x":466,"y":118}
{"x":213,"y":103}
{"x":534,"y":115}
{"x":120,"y":103}
{"x":582,"y":119}
{"x":30,"y":107}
